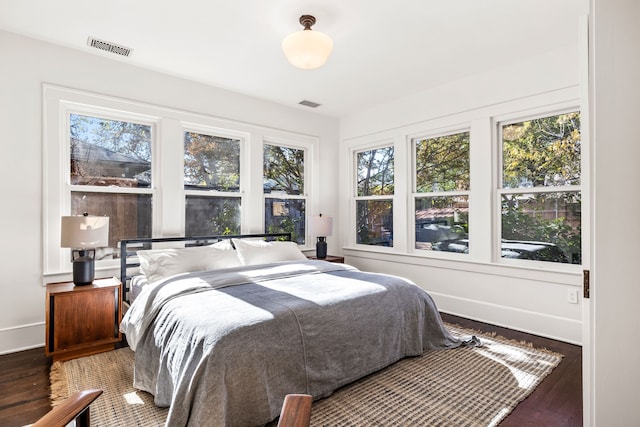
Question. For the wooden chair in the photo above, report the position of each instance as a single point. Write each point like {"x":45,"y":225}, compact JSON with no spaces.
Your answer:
{"x":75,"y":407}
{"x":296,"y":411}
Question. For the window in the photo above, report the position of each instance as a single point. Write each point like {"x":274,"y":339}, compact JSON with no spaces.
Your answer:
{"x":499,"y":186}
{"x":374,"y":196}
{"x":157,"y":171}
{"x":284,"y":193}
{"x":110,"y":175}
{"x":442,"y":185}
{"x":211,"y":184}
{"x":540,"y":189}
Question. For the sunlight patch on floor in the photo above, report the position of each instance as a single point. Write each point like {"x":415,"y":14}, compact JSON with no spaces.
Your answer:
{"x":504,"y":354}
{"x":133,"y":398}
{"x":499,"y":417}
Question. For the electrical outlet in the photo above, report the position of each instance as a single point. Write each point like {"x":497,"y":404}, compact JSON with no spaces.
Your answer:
{"x":572,"y":296}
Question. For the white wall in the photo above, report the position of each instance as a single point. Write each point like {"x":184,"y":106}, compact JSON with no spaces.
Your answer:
{"x":525,"y":298}
{"x":616,"y":203}
{"x":25,"y":65}
{"x":499,"y":295}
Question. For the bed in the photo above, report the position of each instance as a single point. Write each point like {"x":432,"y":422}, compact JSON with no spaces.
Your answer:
{"x":222,"y":341}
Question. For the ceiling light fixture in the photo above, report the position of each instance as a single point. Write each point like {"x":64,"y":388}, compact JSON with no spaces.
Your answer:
{"x":307,"y":49}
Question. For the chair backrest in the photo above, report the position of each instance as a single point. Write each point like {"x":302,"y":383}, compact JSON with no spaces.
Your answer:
{"x":75,"y":407}
{"x":296,"y":411}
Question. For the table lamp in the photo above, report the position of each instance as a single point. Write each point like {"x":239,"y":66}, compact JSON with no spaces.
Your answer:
{"x":321,"y":226}
{"x":83,"y":234}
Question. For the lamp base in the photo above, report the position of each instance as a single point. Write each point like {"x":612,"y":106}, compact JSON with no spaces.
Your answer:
{"x":83,"y":266}
{"x":321,"y":248}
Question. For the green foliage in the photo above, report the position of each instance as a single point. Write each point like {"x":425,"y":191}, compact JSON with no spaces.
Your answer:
{"x":211,"y":162}
{"x":212,"y":215}
{"x":531,"y":225}
{"x":376,"y":172}
{"x":225,"y":220}
{"x":285,"y":167}
{"x":374,"y":224}
{"x":542,"y":152}
{"x":442,"y":163}
{"x":295,"y":226}
{"x":283,"y":171}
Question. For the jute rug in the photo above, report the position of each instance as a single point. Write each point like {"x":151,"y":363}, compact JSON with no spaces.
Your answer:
{"x":461,"y":387}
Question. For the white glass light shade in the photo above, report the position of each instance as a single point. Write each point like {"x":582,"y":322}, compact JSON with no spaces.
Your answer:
{"x":307,"y":49}
{"x":80,"y":232}
{"x":321,"y":226}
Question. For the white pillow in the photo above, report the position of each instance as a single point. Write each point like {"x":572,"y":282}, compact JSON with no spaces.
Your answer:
{"x":224,"y":244}
{"x":253,"y":252}
{"x":158,"y":264}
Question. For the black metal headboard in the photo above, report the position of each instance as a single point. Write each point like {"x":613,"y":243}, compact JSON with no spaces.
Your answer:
{"x":129,"y":248}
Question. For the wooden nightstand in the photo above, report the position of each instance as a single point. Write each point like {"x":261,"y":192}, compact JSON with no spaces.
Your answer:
{"x":329,"y":258}
{"x":82,"y":320}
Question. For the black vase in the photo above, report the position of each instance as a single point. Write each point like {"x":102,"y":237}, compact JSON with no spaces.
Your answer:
{"x":321,"y":248}
{"x":83,"y":266}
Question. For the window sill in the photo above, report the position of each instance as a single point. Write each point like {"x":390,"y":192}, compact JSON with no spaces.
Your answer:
{"x":562,"y":273}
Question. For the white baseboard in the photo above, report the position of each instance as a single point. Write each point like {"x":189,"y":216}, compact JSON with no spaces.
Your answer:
{"x":557,"y":328}
{"x":22,"y":337}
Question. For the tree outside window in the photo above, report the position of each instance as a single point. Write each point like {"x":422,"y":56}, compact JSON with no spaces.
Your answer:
{"x":284,"y":193}
{"x":442,"y":184}
{"x":540,"y":192}
{"x":374,"y":196}
{"x":110,"y":175}
{"x":212,"y":184}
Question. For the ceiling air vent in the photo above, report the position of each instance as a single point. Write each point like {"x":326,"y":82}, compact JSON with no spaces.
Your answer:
{"x":109,"y":47}
{"x":309,"y":103}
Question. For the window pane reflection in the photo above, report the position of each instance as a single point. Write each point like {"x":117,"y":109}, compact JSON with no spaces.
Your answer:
{"x":543,"y":227}
{"x":109,"y":152}
{"x":211,"y":162}
{"x":129,"y":216}
{"x":285,"y":216}
{"x":442,"y":223}
{"x":374,"y":222}
{"x":212,"y":216}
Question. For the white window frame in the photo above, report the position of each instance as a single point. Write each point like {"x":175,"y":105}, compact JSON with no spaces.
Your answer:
{"x":507,"y":119}
{"x":354,"y":151}
{"x":415,"y":194}
{"x":485,"y":217}
{"x":225,"y":133}
{"x":59,"y":105}
{"x":167,"y":167}
{"x":308,"y":149}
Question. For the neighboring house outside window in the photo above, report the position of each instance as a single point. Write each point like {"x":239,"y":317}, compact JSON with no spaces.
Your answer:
{"x":374,"y":196}
{"x":110,"y":175}
{"x":441,"y":192}
{"x":539,"y":189}
{"x":285,"y":198}
{"x":164,"y":172}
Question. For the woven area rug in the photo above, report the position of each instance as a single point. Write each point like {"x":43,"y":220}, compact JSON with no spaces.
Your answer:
{"x":461,"y":387}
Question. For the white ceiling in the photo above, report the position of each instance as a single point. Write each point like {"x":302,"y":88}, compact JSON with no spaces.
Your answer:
{"x":383,"y":50}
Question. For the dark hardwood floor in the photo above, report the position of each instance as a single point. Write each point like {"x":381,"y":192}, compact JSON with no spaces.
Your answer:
{"x":24,"y":387}
{"x":557,"y":401}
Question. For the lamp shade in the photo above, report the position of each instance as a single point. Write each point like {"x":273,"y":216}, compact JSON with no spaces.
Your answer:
{"x":84,"y":231}
{"x":321,"y":225}
{"x":307,"y":49}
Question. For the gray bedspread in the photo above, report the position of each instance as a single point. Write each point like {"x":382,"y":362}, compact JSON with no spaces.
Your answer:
{"x":223,"y":348}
